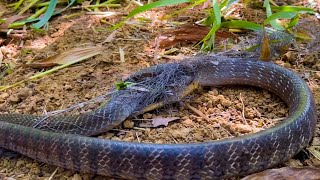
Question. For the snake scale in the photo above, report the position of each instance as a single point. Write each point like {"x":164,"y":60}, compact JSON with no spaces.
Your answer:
{"x":210,"y":160}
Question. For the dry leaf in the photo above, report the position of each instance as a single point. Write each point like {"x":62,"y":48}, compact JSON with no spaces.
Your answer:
{"x":265,"y":47}
{"x":110,"y":38}
{"x":187,"y":33}
{"x":67,"y":57}
{"x":158,"y":121}
{"x":309,"y":173}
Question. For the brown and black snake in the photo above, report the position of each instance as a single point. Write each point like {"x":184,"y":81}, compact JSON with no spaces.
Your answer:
{"x":56,"y":140}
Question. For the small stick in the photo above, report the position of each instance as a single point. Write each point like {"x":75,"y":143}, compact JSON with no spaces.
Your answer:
{"x":137,"y":137}
{"x":54,"y":173}
{"x":205,"y":117}
{"x":198,"y":112}
{"x":244,"y":119}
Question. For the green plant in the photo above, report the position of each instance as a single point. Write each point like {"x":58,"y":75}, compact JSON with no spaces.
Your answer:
{"x":216,"y":15}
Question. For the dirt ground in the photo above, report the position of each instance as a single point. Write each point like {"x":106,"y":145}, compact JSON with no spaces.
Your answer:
{"x":240,"y":110}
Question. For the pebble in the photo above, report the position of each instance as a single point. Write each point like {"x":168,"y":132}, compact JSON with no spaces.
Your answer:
{"x":23,"y":93}
{"x":4,"y":95}
{"x":14,"y":99}
{"x":317,"y":75}
{"x":147,"y":116}
{"x":76,"y":177}
{"x":68,"y":87}
{"x":128,"y":124}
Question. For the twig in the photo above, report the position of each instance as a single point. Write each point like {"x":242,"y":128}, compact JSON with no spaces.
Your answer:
{"x":243,"y":117}
{"x":138,"y":128}
{"x":205,"y":117}
{"x":174,"y":139}
{"x":142,"y":119}
{"x":198,"y":112}
{"x":54,"y":173}
{"x":137,"y":137}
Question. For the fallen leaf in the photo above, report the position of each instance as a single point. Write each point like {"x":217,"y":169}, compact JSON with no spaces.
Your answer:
{"x":285,"y":173}
{"x":188,"y":33}
{"x":158,"y":121}
{"x":10,"y":20}
{"x":67,"y":57}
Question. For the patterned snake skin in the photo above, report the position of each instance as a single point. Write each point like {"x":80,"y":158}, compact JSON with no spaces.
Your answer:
{"x":211,"y":160}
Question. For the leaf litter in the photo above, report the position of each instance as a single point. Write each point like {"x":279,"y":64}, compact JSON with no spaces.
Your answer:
{"x":81,"y":82}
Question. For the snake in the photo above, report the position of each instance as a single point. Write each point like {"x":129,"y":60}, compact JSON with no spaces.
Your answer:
{"x":65,"y":141}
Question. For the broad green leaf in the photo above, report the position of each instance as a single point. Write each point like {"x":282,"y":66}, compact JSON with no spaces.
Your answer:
{"x":273,"y":23}
{"x":280,"y":15}
{"x":214,"y":27}
{"x":216,"y":11}
{"x":242,"y":25}
{"x":293,"y":21}
{"x":298,"y":9}
{"x":123,"y":85}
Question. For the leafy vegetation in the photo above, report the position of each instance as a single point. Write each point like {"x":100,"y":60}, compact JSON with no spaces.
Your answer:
{"x":216,"y":18}
{"x":43,"y":11}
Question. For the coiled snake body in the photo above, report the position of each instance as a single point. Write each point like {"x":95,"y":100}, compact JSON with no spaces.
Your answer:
{"x":211,"y":160}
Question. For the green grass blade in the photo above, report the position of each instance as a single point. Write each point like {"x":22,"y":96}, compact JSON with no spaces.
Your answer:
{"x":215,"y":26}
{"x":273,"y":23}
{"x":155,"y":5}
{"x":237,"y":24}
{"x":293,"y":21}
{"x":47,"y":15}
{"x":18,"y":4}
{"x":24,"y":9}
{"x":147,"y":7}
{"x":216,"y":11}
{"x":280,"y":15}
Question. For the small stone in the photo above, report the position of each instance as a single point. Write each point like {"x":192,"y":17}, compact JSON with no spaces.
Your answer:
{"x":76,"y":177}
{"x":188,"y":122}
{"x":87,"y":176}
{"x":4,"y":95}
{"x":147,"y":116}
{"x":20,"y":163}
{"x":287,"y":65}
{"x":309,"y":60}
{"x":291,"y":57}
{"x":128,"y":124}
{"x":88,"y":96}
{"x":317,"y":75}
{"x":14,"y":99}
{"x":23,"y":93}
{"x":68,"y":87}
{"x":317,"y":66}
{"x":226,"y":103}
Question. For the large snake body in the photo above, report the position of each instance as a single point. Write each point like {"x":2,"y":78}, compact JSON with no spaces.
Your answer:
{"x":211,"y":160}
